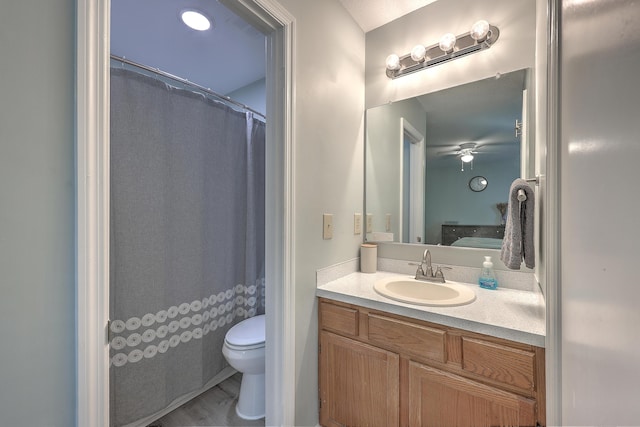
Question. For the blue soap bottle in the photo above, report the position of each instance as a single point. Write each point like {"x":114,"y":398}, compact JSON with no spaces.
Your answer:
{"x":488,"y":276}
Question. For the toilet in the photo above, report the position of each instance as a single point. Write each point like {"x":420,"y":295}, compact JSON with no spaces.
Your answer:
{"x":244,"y":350}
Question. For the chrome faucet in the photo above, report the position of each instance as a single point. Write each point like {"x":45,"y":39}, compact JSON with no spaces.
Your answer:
{"x":426,"y":273}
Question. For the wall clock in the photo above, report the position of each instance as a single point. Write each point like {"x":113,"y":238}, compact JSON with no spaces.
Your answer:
{"x":478,"y":183}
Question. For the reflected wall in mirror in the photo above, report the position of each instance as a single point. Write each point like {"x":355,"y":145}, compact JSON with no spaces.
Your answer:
{"x":417,"y":185}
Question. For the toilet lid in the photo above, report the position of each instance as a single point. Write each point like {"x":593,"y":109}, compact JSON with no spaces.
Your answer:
{"x":248,"y":332}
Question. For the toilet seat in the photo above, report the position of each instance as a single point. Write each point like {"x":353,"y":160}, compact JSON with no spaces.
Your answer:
{"x":243,"y":347}
{"x":247,"y":335}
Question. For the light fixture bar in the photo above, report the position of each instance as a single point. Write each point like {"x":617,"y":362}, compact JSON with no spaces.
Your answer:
{"x":465,"y":45}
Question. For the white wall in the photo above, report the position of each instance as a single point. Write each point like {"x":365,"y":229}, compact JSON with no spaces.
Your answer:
{"x":37,"y":369}
{"x":599,"y":212}
{"x":253,"y":95}
{"x":514,"y":50}
{"x":329,"y":79}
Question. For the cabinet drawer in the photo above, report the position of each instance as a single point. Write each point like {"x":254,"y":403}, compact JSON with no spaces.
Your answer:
{"x":507,"y":365}
{"x":407,"y":338}
{"x":343,"y":320}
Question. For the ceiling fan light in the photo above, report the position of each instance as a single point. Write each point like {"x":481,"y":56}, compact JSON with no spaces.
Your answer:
{"x":466,"y":157}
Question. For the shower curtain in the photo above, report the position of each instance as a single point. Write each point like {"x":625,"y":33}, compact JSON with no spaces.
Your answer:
{"x":187,"y":239}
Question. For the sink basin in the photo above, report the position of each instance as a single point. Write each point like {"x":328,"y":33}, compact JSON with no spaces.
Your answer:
{"x":414,"y":291}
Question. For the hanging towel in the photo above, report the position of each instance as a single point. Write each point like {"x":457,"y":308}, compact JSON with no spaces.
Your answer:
{"x":517,"y":244}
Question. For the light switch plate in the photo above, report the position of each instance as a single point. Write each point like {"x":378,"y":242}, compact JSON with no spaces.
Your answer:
{"x":327,"y":226}
{"x":369,"y":223}
{"x":387,"y":222}
{"x":357,"y":223}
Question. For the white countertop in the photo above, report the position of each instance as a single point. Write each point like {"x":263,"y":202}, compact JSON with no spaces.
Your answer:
{"x":504,"y":313}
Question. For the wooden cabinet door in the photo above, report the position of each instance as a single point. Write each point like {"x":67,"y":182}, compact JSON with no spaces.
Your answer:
{"x":358,"y":383}
{"x":441,"y":399}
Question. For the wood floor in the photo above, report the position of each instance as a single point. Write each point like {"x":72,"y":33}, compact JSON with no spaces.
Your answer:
{"x":213,"y":408}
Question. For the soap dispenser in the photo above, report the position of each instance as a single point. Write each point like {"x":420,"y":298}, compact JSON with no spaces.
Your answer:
{"x":488,"y":276}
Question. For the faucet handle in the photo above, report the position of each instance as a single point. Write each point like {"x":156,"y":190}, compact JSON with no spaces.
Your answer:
{"x":439,"y":274}
{"x":419,"y":271}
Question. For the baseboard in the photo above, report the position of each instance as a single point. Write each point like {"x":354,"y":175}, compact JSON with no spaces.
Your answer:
{"x":221,"y":376}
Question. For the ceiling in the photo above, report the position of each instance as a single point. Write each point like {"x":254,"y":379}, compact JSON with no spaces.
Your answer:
{"x":371,"y":14}
{"x":224,"y":59}
{"x":482,"y":112}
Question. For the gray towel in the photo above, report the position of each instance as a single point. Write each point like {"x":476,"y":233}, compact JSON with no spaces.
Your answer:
{"x":517,"y":244}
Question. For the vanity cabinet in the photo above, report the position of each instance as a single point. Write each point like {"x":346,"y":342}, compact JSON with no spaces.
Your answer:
{"x":359,"y":382}
{"x":382,"y":369}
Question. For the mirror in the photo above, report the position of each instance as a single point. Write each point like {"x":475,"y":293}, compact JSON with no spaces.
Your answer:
{"x":423,"y":153}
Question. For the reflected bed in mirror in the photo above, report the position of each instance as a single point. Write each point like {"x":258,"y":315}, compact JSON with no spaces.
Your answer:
{"x":473,"y":236}
{"x":439,"y":166}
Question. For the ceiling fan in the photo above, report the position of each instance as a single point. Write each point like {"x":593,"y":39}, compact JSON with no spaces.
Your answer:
{"x":465,"y":153}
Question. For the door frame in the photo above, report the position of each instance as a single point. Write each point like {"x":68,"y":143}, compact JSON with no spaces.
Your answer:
{"x":417,"y":175}
{"x":92,"y":208}
{"x":550,"y":185}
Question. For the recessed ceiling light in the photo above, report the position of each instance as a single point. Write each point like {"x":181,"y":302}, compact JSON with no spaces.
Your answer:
{"x":196,"y":20}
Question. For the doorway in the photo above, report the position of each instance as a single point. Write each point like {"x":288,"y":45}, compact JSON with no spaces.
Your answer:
{"x":92,"y":159}
{"x":186,"y":227}
{"x":412,"y":169}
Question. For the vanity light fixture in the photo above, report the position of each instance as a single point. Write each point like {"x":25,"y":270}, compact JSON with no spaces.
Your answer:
{"x":195,"y":20}
{"x":481,"y":36}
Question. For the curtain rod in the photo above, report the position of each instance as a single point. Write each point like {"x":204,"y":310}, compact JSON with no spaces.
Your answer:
{"x":223,"y":98}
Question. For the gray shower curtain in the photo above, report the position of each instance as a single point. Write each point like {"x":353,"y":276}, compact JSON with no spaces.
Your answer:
{"x":187,"y":238}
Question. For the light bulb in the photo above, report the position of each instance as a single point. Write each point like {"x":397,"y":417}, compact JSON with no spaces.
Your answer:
{"x":447,"y":42}
{"x":418,"y":52}
{"x":196,"y":20}
{"x":467,"y":158}
{"x":393,"y":62}
{"x":479,"y":30}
